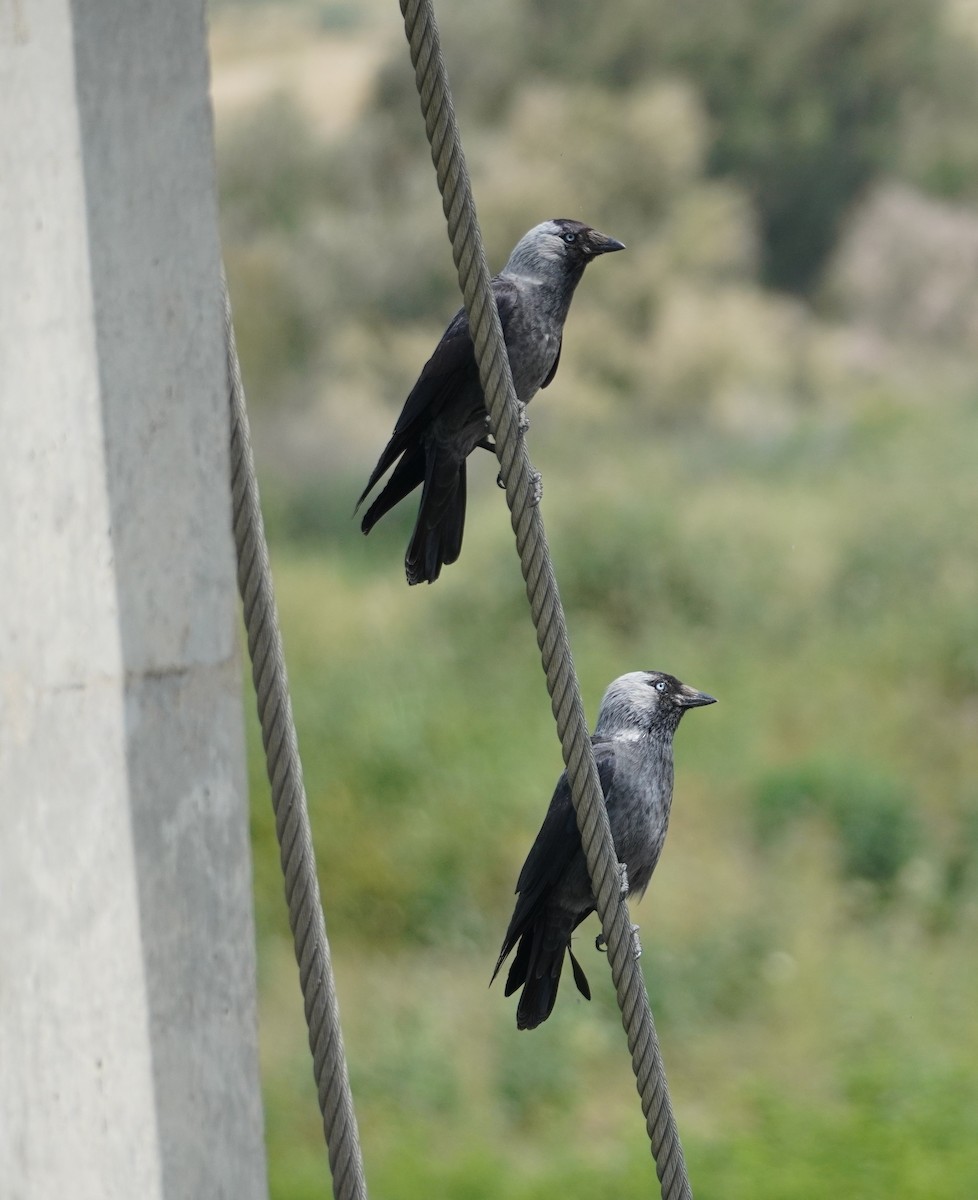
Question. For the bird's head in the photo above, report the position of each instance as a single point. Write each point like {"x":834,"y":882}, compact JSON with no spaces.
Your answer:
{"x":647,"y":700}
{"x":561,"y":246}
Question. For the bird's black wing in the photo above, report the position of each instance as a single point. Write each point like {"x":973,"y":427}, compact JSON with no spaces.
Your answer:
{"x":450,"y":372}
{"x":453,"y":363}
{"x":553,"y":370}
{"x":450,"y":369}
{"x":555,"y":847}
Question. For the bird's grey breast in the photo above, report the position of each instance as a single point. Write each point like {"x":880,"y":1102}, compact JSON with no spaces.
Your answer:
{"x":639,"y":806}
{"x":533,"y":339}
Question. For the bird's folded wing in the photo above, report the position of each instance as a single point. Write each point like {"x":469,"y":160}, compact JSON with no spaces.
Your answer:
{"x":553,"y":370}
{"x":558,"y":841}
{"x":452,"y":366}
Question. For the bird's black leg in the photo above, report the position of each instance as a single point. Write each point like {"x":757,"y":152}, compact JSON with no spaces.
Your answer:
{"x":487,"y":443}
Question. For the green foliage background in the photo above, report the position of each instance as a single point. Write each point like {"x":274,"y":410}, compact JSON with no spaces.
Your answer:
{"x":757,"y":475}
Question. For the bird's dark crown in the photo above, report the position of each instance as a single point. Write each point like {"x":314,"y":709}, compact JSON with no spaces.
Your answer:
{"x":561,"y":244}
{"x":668,"y":687}
{"x":584,"y":240}
{"x":568,"y":225}
{"x":671,"y":684}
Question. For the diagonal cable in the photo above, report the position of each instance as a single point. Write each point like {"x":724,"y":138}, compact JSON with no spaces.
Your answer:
{"x":541,"y":589}
{"x":289,"y":798}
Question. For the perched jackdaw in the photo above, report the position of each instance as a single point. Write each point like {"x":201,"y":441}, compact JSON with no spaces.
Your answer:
{"x":444,"y":418}
{"x":632,"y":743}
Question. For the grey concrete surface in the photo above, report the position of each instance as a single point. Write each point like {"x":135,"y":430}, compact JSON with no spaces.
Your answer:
{"x":128,"y":1061}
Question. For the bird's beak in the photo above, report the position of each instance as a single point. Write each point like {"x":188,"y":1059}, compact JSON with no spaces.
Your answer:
{"x":690,"y":698}
{"x":600,"y":243}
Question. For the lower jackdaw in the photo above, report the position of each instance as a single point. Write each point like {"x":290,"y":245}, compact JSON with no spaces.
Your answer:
{"x":632,"y":743}
{"x":444,"y":418}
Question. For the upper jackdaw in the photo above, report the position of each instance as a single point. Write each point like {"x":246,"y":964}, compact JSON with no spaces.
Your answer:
{"x":444,"y":418}
{"x":632,"y":743}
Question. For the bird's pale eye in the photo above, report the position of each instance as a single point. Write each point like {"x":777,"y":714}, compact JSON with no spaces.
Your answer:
{"x":661,"y":686}
{"x":570,"y":238}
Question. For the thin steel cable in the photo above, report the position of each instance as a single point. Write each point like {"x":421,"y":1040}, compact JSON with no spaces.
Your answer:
{"x":289,"y":798}
{"x":541,"y":589}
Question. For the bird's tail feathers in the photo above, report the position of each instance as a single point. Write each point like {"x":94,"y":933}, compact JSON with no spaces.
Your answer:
{"x":394,"y":448}
{"x":579,"y":977}
{"x":537,"y":966}
{"x":437,"y":537}
{"x":408,"y":473}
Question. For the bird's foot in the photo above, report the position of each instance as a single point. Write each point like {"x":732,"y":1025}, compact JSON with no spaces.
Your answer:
{"x":500,"y":482}
{"x":623,"y":880}
{"x":600,"y":942}
{"x":486,"y":444}
{"x":522,"y":420}
{"x":536,"y":488}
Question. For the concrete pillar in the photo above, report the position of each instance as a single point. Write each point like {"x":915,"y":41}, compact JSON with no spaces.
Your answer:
{"x":128,"y":1064}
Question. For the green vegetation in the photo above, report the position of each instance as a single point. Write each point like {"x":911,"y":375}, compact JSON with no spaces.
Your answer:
{"x":812,"y":986}
{"x":771,"y":496}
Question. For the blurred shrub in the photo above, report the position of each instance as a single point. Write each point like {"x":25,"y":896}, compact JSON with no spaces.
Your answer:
{"x":270,"y":168}
{"x":871,"y":813}
{"x":534,"y":1075}
{"x":806,"y":112}
{"x":961,"y":859}
{"x":630,"y":565}
{"x":793,"y":1145}
{"x":710,"y":978}
{"x":730,"y":356}
{"x":912,"y":561}
{"x":805,"y":103}
{"x":889,"y":554}
{"x":275,"y":319}
{"x":939,"y":152}
{"x":334,"y":247}
{"x":956,"y":658}
{"x":720,"y":142}
{"x":408,"y":1068}
{"x":579,"y":150}
{"x":712,"y":233}
{"x":806,"y":100}
{"x":909,"y":266}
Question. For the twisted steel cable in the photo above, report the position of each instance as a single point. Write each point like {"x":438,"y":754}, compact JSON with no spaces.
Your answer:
{"x":289,"y":798}
{"x":521,"y":483}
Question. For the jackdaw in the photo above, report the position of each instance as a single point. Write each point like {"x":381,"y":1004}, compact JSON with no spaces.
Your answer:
{"x":632,"y":743}
{"x":444,"y":418}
